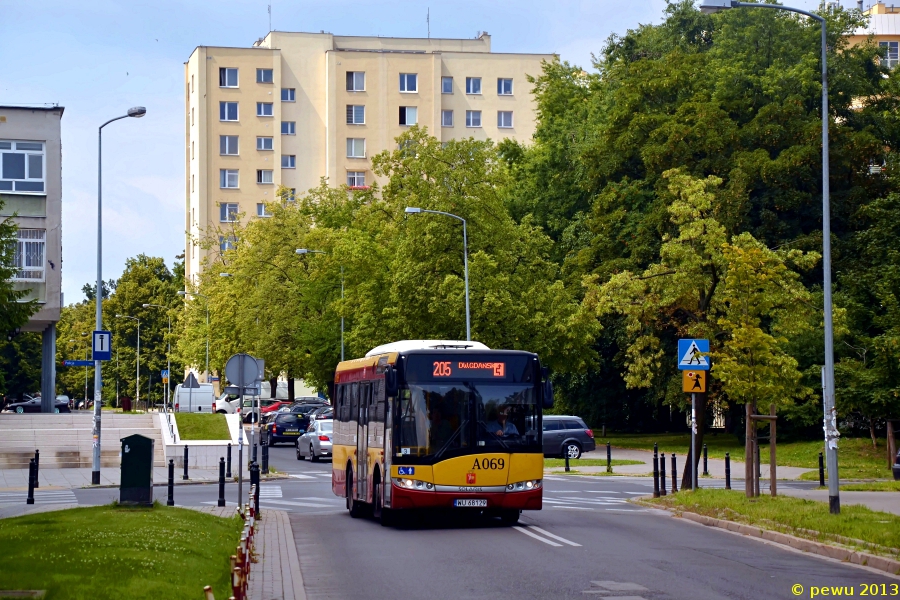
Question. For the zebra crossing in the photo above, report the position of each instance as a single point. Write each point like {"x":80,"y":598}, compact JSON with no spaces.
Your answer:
{"x":313,"y":476}
{"x":49,"y":497}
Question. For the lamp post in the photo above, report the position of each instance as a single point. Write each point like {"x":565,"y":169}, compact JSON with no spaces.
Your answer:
{"x":137,"y":383}
{"x":830,"y":420}
{"x":411,"y":210}
{"x":186,"y":293}
{"x":168,"y":349}
{"x":137,"y":112}
{"x":302,"y":251}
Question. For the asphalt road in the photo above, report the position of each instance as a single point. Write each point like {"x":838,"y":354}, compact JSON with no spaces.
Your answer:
{"x":587,"y":542}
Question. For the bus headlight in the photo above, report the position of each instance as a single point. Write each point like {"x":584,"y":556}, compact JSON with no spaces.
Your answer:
{"x":521,"y":486}
{"x":413,"y":484}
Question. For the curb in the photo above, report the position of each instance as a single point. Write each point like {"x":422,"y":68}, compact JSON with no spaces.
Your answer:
{"x":828,"y":551}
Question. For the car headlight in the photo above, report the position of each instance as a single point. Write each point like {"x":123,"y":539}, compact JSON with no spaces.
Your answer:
{"x":412,"y":484}
{"x":522,"y":486}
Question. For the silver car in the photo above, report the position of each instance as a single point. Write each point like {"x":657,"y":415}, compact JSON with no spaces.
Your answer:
{"x":316,"y":442}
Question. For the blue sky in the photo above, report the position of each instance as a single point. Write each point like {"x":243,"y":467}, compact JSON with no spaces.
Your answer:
{"x":98,"y":58}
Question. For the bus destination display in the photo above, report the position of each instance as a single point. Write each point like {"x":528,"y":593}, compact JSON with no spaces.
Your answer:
{"x":464,"y":369}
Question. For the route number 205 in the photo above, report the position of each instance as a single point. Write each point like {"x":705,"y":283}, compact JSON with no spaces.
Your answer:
{"x":442,"y":369}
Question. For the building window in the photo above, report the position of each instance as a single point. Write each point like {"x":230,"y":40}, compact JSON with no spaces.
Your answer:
{"x":264,"y":176}
{"x":228,"y":178}
{"x":892,"y":56}
{"x":288,"y":161}
{"x":446,"y":118}
{"x":504,"y":87}
{"x":264,"y":76}
{"x":409,"y":82}
{"x":228,"y":144}
{"x":356,"y":81}
{"x":264,"y":109}
{"x":22,"y":167}
{"x":228,"y":111}
{"x":473,"y":85}
{"x":446,"y":85}
{"x":28,"y":257}
{"x":356,"y":114}
{"x":473,"y":118}
{"x":408,"y":115}
{"x":504,"y":119}
{"x":356,"y":147}
{"x":228,"y":77}
{"x":192,"y":84}
{"x":226,"y":242}
{"x":261,"y":210}
{"x":228,"y":212}
{"x":264,"y":143}
{"x":356,"y":179}
{"x":288,"y":128}
{"x":288,"y":95}
{"x":293,"y":195}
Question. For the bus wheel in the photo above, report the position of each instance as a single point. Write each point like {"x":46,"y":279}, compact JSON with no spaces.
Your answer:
{"x":353,"y":506}
{"x":510,"y":516}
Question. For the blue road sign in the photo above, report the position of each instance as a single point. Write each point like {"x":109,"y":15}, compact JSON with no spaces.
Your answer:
{"x":693,"y":355}
{"x":102,"y":345}
{"x":164,"y":373}
{"x":78,"y":363}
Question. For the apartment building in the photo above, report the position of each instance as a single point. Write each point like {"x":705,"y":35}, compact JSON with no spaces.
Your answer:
{"x":884,"y":27}
{"x":31,"y":189}
{"x":296,"y":107}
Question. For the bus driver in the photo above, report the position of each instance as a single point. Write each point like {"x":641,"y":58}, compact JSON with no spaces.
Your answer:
{"x":502,"y":427}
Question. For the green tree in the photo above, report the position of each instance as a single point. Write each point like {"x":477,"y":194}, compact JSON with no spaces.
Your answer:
{"x":14,"y":310}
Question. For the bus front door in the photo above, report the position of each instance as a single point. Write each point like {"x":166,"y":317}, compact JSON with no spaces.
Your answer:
{"x":362,"y":446}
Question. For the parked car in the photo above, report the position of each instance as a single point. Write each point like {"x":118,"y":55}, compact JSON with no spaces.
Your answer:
{"x":199,"y":399}
{"x":565,"y":435}
{"x":896,"y":467}
{"x":228,"y":404}
{"x":284,"y":427}
{"x":316,"y":442}
{"x":323,"y":412}
{"x":249,"y":410}
{"x":273,"y":406}
{"x":309,"y":400}
{"x":33,"y":405}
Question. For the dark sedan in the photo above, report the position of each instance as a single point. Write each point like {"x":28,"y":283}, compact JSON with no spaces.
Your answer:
{"x":33,"y":405}
{"x":284,"y":428}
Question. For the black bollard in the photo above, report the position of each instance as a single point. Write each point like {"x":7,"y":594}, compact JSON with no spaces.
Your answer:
{"x":727,"y":471}
{"x":254,"y":481}
{"x":228,"y":463}
{"x":566,"y":456}
{"x":37,"y":468}
{"x":185,"y":476}
{"x":705,"y":465}
{"x":222,"y":481}
{"x":170,"y":501}
{"x":608,"y":458}
{"x":31,"y":471}
{"x":662,"y":474}
{"x":655,"y":473}
{"x":674,"y":474}
{"x":821,"y":471}
{"x":265,"y":458}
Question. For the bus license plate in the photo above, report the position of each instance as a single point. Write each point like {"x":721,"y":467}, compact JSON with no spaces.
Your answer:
{"x":473,"y":502}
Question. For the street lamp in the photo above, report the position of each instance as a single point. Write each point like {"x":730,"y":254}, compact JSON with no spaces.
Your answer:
{"x":301,"y":252}
{"x":186,"y":293}
{"x":137,"y":384}
{"x":411,"y":210}
{"x":168,"y":351}
{"x":830,"y":426}
{"x":137,"y":112}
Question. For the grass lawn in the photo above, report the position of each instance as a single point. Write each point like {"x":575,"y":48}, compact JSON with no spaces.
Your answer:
{"x":873,"y":486}
{"x":114,"y":552}
{"x":586,"y":462}
{"x":599,"y":474}
{"x":856,"y":457}
{"x":803,"y":518}
{"x":199,"y":426}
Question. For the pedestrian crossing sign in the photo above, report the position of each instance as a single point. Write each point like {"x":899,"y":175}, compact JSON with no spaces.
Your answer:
{"x":693,"y":355}
{"x":693,"y":382}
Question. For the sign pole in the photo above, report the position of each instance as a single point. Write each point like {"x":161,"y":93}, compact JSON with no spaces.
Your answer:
{"x":693,"y":441}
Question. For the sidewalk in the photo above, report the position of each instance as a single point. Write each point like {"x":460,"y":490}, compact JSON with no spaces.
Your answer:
{"x":276,"y":574}
{"x":716,"y":465}
{"x":17,"y":479}
{"x":883,"y":501}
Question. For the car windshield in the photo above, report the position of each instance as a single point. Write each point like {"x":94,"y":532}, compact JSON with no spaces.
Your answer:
{"x":443,"y":420}
{"x":304,"y":410}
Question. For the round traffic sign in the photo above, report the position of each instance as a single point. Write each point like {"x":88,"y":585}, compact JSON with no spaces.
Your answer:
{"x":241,"y":370}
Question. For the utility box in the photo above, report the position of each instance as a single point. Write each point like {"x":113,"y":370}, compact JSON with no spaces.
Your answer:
{"x":136,"y":482}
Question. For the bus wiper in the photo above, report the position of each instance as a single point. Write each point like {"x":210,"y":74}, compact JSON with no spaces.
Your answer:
{"x":496,"y":437}
{"x":450,"y":441}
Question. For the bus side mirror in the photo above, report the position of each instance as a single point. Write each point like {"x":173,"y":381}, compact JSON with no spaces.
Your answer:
{"x":390,"y":382}
{"x":548,"y":394}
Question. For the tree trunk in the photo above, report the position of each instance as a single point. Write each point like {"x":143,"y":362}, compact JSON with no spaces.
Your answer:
{"x":273,"y":387}
{"x":872,"y":433}
{"x":696,"y":452}
{"x":290,"y":378}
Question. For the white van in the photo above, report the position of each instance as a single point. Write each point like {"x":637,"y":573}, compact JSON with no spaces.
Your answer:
{"x":194,"y":399}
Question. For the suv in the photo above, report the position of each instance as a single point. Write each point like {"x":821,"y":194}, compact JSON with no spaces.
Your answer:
{"x":565,"y":435}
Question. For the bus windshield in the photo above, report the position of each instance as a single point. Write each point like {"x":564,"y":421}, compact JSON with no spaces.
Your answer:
{"x":441,"y":420}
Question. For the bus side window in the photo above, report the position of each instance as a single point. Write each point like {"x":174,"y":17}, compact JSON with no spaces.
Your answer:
{"x":339,"y":412}
{"x":354,"y":402}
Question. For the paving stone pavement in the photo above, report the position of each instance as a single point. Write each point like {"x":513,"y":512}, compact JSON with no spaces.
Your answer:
{"x":17,"y":479}
{"x":276,"y":574}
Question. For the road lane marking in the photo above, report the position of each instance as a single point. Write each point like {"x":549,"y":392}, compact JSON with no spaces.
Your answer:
{"x":537,"y":537}
{"x":270,"y":491}
{"x":572,"y":507}
{"x":290,"y":503}
{"x":335,"y":499}
{"x":301,"y":476}
{"x":554,"y":536}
